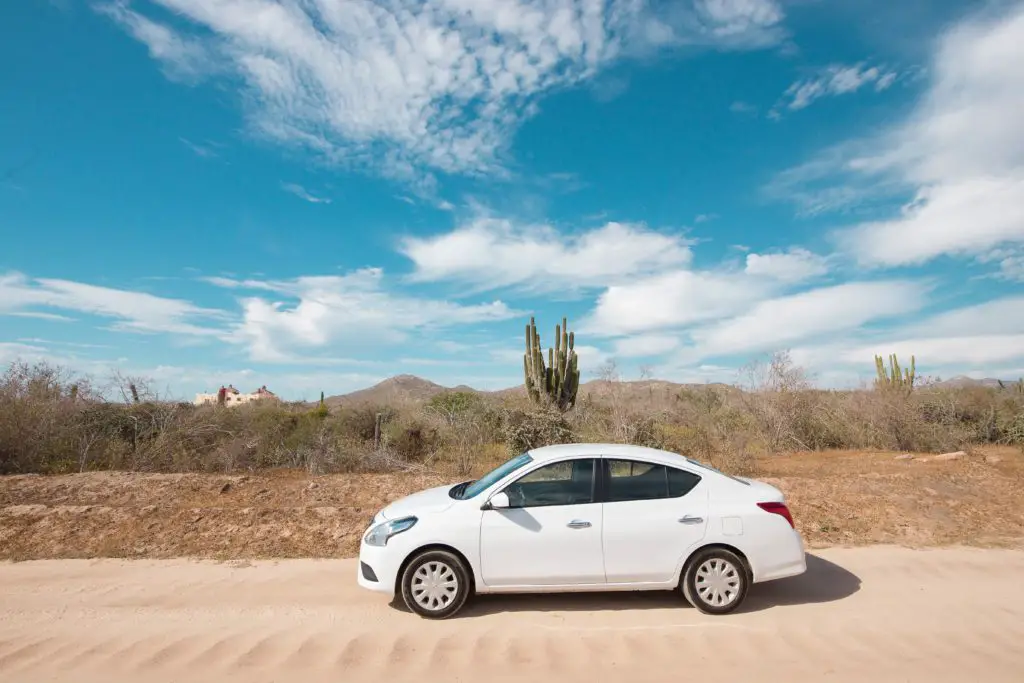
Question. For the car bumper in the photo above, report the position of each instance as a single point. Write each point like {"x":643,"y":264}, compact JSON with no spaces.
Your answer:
{"x":377,"y":569}
{"x":786,"y":557}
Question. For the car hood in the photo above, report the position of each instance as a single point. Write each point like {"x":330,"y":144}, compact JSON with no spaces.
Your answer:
{"x":422,"y":502}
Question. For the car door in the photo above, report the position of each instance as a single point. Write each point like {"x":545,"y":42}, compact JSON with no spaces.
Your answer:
{"x":653,"y":514}
{"x":551,"y":534}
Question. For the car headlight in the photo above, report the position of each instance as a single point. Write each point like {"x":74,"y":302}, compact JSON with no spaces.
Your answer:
{"x":380,"y":534}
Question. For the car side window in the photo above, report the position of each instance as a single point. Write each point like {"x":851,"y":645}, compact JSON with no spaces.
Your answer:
{"x":681,"y":482}
{"x":635,"y":480}
{"x":568,"y":482}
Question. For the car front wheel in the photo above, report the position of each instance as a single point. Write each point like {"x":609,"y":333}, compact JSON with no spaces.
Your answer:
{"x":435,"y":584}
{"x":715,"y":581}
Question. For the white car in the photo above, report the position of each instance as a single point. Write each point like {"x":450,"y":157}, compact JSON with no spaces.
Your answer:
{"x":583,"y":517}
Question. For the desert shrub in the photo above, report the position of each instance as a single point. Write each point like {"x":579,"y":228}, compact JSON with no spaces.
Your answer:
{"x":453,"y":406}
{"x":525,"y":428}
{"x":52,"y":421}
{"x":360,"y":421}
{"x":411,"y":439}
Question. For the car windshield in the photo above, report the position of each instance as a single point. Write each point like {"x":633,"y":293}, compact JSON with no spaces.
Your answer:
{"x":495,"y":474}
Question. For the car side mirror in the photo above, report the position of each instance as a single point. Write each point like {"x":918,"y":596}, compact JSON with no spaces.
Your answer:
{"x":498,"y":501}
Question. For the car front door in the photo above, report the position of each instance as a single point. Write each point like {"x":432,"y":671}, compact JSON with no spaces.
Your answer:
{"x":551,"y":533}
{"x":653,"y":514}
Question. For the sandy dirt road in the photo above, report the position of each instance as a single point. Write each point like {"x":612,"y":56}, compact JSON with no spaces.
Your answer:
{"x":878,"y":613}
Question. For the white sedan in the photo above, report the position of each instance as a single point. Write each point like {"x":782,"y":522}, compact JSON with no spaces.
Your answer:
{"x":583,"y":517}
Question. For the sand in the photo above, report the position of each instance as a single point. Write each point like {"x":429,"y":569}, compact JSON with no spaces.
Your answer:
{"x":874,"y":613}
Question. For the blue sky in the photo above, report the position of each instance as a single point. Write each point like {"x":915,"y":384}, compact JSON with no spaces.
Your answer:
{"x":318,"y":194}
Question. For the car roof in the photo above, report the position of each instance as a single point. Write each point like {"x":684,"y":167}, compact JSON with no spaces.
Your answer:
{"x":568,"y":450}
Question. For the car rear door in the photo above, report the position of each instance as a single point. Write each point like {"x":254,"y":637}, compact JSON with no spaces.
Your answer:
{"x":551,"y":536}
{"x":653,"y":514}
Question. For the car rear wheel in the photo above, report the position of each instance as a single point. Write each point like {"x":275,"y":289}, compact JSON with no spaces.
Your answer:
{"x":435,"y":584}
{"x":715,"y":581}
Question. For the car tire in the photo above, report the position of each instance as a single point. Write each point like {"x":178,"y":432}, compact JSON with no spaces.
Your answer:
{"x":722,"y":577}
{"x":435,"y":584}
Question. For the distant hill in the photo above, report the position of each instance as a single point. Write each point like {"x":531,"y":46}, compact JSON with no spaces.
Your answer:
{"x":965,"y":381}
{"x":410,"y":389}
{"x":395,"y":390}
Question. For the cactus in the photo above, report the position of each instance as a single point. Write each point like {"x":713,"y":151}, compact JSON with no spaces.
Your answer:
{"x":1017,"y":386}
{"x":321,"y":409}
{"x":893,"y":378}
{"x":558,"y":382}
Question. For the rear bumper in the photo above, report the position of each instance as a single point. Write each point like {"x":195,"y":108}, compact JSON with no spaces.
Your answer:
{"x":786,"y":557}
{"x":781,"y":571}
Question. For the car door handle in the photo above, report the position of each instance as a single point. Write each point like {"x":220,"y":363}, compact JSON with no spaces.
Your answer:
{"x":578,"y":524}
{"x":691,"y":520}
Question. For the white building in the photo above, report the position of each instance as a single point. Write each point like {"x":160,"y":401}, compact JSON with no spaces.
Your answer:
{"x":233,"y":397}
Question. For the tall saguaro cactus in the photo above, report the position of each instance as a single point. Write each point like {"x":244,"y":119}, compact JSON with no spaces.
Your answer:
{"x":892,"y":378}
{"x":559,"y":380}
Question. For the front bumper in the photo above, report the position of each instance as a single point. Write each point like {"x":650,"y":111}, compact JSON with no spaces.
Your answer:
{"x":377,"y":569}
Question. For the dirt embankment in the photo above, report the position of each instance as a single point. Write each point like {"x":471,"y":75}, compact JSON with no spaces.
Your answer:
{"x":837,"y":498}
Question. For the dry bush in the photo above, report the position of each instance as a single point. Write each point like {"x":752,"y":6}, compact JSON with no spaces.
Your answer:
{"x":54,"y":422}
{"x":526,"y":427}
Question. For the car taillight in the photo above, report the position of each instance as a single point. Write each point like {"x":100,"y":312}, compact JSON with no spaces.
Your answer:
{"x":778,"y":509}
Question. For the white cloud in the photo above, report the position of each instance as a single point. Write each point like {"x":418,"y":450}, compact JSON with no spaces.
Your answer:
{"x":957,"y":218}
{"x":491,"y":253}
{"x":133,"y":311}
{"x":204,"y":151}
{"x":304,"y":194}
{"x":346,"y":311}
{"x":589,"y":357}
{"x":38,"y":315}
{"x":400,"y":84}
{"x":747,"y":21}
{"x":778,"y":323}
{"x":183,"y":58}
{"x":944,"y":351}
{"x":973,"y":340}
{"x":959,"y":155}
{"x":837,"y":79}
{"x":672,"y":300}
{"x":795,"y":265}
{"x":998,"y":316}
{"x":295,"y":316}
{"x":642,"y":345}
{"x":1011,"y":263}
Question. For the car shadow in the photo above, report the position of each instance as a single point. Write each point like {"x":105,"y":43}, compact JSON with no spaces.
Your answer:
{"x":824,"y":581}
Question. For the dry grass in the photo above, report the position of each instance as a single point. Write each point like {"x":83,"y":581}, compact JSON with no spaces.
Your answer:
{"x":837,"y":498}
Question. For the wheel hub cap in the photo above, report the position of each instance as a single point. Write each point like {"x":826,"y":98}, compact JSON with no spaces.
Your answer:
{"x":434,"y":585}
{"x":717,"y":582}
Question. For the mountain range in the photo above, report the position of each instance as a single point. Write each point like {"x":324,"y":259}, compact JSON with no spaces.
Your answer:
{"x":404,"y":389}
